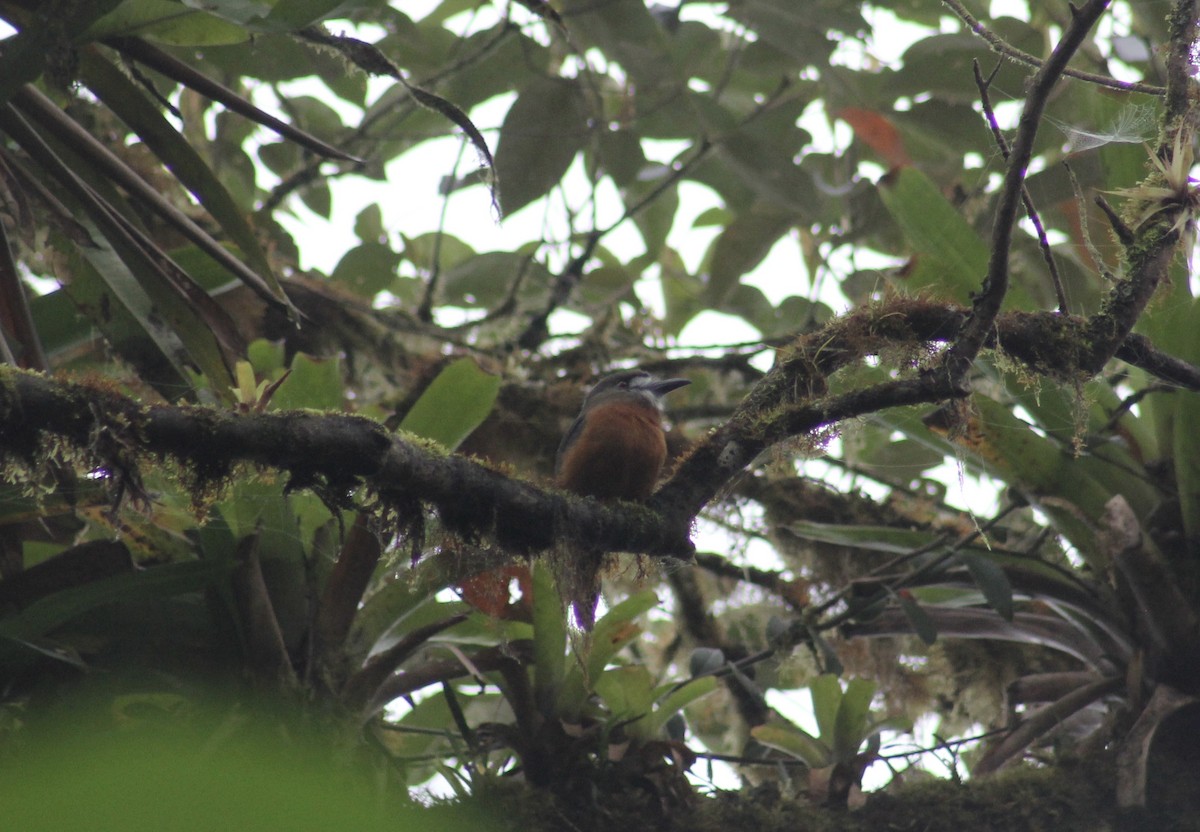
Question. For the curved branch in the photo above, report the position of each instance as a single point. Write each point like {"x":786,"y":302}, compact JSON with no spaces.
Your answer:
{"x":336,"y":452}
{"x":995,"y":285}
{"x":331,"y":451}
{"x":1044,"y":719}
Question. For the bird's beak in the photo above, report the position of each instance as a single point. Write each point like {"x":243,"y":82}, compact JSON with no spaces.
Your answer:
{"x":665,"y":386}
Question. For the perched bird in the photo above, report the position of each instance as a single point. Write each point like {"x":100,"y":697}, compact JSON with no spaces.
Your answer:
{"x":616,"y":447}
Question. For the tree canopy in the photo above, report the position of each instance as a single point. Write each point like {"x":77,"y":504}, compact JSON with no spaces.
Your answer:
{"x":951,"y":481}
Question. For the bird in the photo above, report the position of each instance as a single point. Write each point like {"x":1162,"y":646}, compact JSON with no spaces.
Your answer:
{"x":616,"y":447}
{"x":614,"y":450}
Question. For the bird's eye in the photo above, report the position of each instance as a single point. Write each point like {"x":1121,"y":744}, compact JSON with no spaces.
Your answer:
{"x":623,"y":385}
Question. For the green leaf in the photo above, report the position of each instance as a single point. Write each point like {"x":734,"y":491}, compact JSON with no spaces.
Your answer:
{"x":155,"y":583}
{"x":628,"y":692}
{"x":621,"y":155}
{"x":487,"y":279}
{"x":296,"y":14}
{"x":368,"y":225}
{"x":454,"y":404}
{"x":616,"y":629}
{"x":131,"y":106}
{"x":549,"y":642}
{"x":795,"y":741}
{"x":167,"y":22}
{"x":435,"y":250}
{"x":873,"y":538}
{"x":655,"y":219}
{"x":679,"y":698}
{"x":901,"y":461}
{"x":682,"y":291}
{"x":953,"y":259}
{"x":922,"y":624}
{"x":399,"y":601}
{"x":626,"y":32}
{"x":604,"y":286}
{"x":803,"y":31}
{"x":367,"y":269}
{"x":129,"y":262}
{"x":991,"y":580}
{"x":314,"y":383}
{"x":266,"y":357}
{"x":124,"y":317}
{"x":543,"y":130}
{"x":743,"y":244}
{"x":826,"y":693}
{"x":853,"y":711}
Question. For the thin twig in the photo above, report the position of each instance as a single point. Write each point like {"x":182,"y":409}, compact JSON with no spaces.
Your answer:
{"x":961,"y":354}
{"x":1002,"y":47}
{"x":1026,"y":198}
{"x":1114,"y":219}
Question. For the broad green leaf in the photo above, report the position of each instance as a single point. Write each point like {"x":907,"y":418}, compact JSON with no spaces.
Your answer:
{"x":154,"y":583}
{"x":678,"y":699}
{"x":991,"y":580}
{"x":682,"y":291}
{"x":781,"y":186}
{"x":549,"y":641}
{"x":803,"y":31}
{"x":367,"y":269}
{"x":625,"y":31}
{"x":266,"y":357}
{"x":826,"y":693}
{"x":604,"y":286}
{"x":167,"y":22}
{"x":900,"y":461}
{"x":543,"y":130}
{"x":314,"y":384}
{"x":654,"y":220}
{"x":922,"y":624}
{"x":621,"y":155}
{"x":296,"y":14}
{"x":853,"y":712}
{"x":454,"y":404}
{"x":743,"y":244}
{"x":368,"y":225}
{"x":794,"y":741}
{"x":435,"y":251}
{"x":628,"y":692}
{"x":1069,"y":489}
{"x":952,"y":259}
{"x":488,"y":279}
{"x":398,"y":601}
{"x":616,"y":629}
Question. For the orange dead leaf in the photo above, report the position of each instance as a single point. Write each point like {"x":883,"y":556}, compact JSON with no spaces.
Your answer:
{"x":878,"y":133}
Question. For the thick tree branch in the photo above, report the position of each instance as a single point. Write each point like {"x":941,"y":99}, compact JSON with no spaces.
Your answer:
{"x":334,"y":452}
{"x":337,"y":453}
